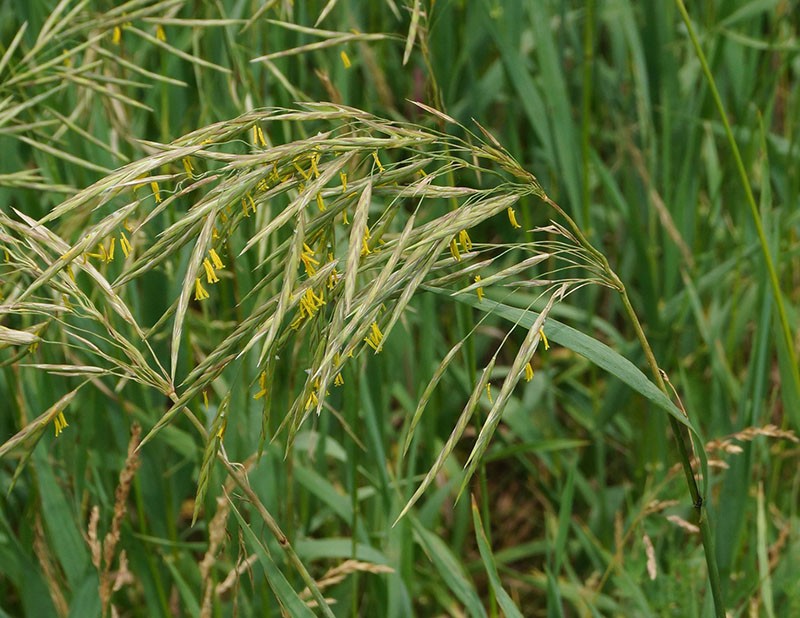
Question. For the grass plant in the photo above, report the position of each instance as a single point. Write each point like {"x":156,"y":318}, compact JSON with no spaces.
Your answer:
{"x":394,"y":308}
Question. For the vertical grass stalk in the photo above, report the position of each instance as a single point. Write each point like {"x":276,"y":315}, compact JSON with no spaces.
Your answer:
{"x":786,"y":329}
{"x":680,"y":432}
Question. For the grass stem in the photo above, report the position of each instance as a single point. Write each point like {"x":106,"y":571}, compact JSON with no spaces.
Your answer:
{"x":772,"y":272}
{"x":680,"y":432}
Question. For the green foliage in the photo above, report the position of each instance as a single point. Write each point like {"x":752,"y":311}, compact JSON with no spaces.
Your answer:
{"x":261,"y":275}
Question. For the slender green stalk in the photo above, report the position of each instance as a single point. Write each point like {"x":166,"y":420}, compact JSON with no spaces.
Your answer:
{"x":772,"y":273}
{"x":588,"y":65}
{"x":244,"y":485}
{"x":678,"y":430}
{"x":486,"y":514}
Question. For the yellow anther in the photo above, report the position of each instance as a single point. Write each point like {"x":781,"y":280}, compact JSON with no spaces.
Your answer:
{"x":306,"y":175}
{"x":465,"y":240}
{"x":211,"y":276}
{"x":310,"y":263}
{"x":375,"y":337}
{"x":124,"y":244}
{"x":528,"y":372}
{"x":215,"y":259}
{"x":377,"y":160}
{"x":60,"y":423}
{"x":479,"y":290}
{"x":262,"y":385}
{"x":544,"y":339}
{"x":199,"y":291}
{"x":454,"y":250}
{"x":258,"y":136}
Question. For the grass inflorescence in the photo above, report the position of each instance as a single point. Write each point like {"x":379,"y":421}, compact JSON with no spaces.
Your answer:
{"x":398,"y":308}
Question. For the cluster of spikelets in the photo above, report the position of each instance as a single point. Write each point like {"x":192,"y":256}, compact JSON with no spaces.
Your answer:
{"x":336,"y":232}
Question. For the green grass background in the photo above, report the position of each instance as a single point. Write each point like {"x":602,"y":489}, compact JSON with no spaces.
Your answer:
{"x":607,"y":104}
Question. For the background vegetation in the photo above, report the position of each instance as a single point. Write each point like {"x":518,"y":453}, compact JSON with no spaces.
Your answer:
{"x":578,"y":505}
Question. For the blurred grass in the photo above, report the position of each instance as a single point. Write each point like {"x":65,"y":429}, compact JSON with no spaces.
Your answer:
{"x":578,"y":473}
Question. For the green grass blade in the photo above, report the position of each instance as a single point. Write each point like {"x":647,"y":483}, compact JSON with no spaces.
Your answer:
{"x":564,"y":520}
{"x":286,"y":595}
{"x":589,"y":347}
{"x":503,"y":599}
{"x":780,"y":305}
{"x":449,"y":567}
